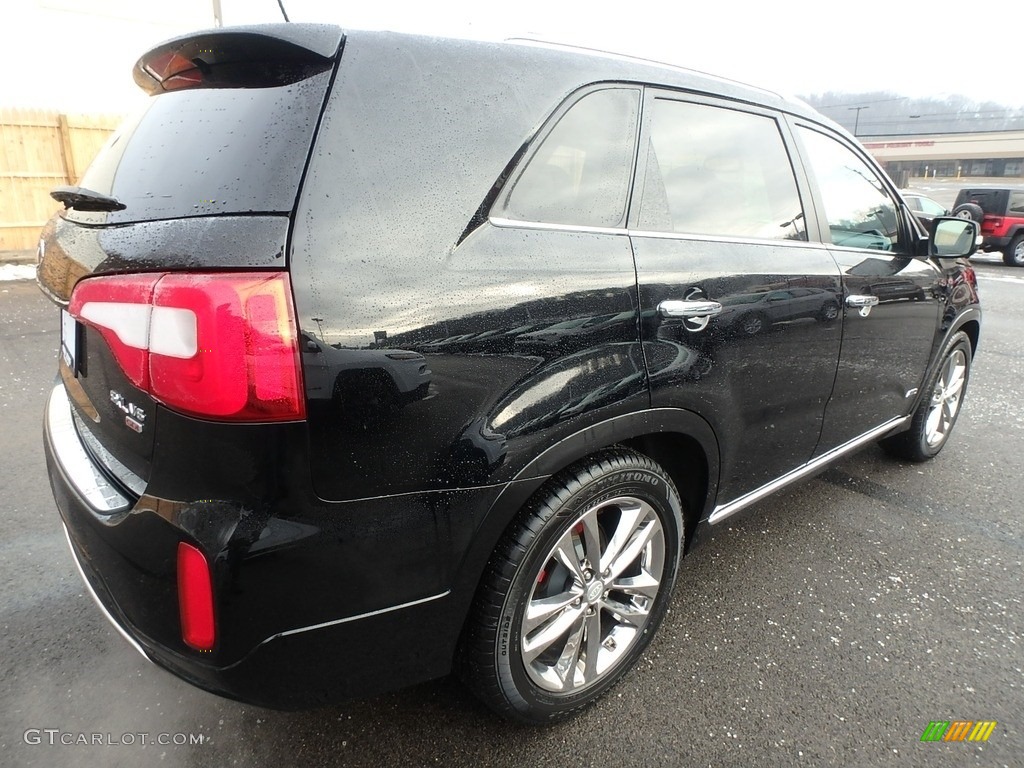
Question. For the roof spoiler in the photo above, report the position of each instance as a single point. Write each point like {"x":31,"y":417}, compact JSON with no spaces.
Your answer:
{"x":239,"y":57}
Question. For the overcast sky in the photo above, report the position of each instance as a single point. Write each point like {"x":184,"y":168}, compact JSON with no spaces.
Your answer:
{"x":76,"y":55}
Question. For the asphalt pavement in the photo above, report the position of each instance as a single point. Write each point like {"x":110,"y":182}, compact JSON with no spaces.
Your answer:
{"x":828,"y":625}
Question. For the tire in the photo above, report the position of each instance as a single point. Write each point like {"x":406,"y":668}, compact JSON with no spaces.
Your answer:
{"x":1013,"y":256}
{"x":969,"y":211}
{"x":550,"y":632}
{"x":937,"y":412}
{"x":829,"y":312}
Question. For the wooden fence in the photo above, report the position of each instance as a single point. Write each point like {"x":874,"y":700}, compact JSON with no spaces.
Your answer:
{"x":40,"y":150}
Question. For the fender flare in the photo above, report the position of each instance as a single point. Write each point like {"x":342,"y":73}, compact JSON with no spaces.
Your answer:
{"x":968,"y":315}
{"x":563,"y":453}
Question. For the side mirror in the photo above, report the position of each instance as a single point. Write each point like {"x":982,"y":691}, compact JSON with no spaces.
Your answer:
{"x":952,"y":238}
{"x":311,"y":346}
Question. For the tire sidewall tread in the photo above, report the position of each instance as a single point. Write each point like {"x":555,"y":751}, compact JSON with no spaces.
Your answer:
{"x":911,"y":444}
{"x":490,"y":658}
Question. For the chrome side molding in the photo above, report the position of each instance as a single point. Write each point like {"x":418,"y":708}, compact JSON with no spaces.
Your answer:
{"x":723,"y":511}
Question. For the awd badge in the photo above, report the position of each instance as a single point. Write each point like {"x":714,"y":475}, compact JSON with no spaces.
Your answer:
{"x":134,"y":417}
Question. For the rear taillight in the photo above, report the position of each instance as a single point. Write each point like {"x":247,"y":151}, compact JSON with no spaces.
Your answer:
{"x":195,"y":598}
{"x":220,"y":346}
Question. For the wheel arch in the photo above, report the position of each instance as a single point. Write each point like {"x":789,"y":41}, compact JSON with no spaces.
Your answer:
{"x":680,"y":441}
{"x":972,"y":328}
{"x":969,"y":323}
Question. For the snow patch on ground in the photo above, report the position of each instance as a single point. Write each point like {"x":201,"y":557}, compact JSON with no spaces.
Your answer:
{"x":17,"y":272}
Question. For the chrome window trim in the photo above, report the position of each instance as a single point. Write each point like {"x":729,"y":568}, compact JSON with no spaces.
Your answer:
{"x":689,"y":236}
{"x":83,"y":475}
{"x":722,"y":511}
{"x":698,"y":237}
{"x":96,"y":599}
{"x":499,"y":221}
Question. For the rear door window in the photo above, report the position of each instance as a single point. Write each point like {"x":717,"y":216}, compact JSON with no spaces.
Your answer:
{"x":580,"y":174}
{"x":718,"y":171}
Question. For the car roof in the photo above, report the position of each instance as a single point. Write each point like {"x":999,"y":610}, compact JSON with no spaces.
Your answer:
{"x":591,"y":65}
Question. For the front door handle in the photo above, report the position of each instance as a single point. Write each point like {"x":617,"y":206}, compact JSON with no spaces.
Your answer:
{"x":691,"y":309}
{"x":862,"y":303}
{"x":855,"y":300}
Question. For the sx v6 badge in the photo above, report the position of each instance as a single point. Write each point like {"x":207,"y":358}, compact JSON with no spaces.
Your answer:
{"x":134,"y":417}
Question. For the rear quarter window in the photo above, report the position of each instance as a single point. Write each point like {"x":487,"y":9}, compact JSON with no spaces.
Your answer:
{"x":580,"y":173}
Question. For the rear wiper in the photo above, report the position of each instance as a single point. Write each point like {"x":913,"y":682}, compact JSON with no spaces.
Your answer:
{"x":82,"y":199}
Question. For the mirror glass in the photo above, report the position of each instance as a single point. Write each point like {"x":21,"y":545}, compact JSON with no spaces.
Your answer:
{"x":954,"y":237}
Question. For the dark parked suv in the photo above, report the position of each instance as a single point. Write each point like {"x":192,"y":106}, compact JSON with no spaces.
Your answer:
{"x":1000,"y":213}
{"x":385,"y":356}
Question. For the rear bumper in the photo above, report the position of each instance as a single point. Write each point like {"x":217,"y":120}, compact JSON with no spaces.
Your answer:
{"x":100,"y":603}
{"x":287,"y":671}
{"x":995,"y":243}
{"x":349,"y":622}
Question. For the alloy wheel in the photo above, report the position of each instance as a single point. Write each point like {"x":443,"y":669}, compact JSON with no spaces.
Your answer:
{"x":946,"y":398}
{"x":593,"y":595}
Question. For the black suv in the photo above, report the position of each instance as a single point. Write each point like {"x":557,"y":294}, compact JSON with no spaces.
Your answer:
{"x":384,"y":356}
{"x":1000,"y":212}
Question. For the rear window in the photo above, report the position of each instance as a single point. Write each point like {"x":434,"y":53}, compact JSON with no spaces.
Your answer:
{"x":209,"y":151}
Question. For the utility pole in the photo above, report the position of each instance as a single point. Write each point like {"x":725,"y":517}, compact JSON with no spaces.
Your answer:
{"x":856,"y":121}
{"x":218,"y":18}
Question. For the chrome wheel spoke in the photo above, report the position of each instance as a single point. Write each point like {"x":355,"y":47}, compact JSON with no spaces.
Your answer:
{"x":932,"y":424}
{"x":568,"y":662}
{"x":565,"y":553}
{"x":543,"y":609}
{"x":630,"y":518}
{"x":626,"y":612}
{"x":644,"y":585}
{"x":590,"y":668}
{"x":948,"y":410}
{"x":635,"y":547}
{"x":534,"y":645}
{"x":592,"y":539}
{"x":955,"y":383}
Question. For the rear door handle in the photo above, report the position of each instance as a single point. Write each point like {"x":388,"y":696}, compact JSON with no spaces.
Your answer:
{"x":691,"y":309}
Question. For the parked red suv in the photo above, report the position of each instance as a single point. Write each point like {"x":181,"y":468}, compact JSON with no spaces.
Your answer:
{"x":1000,"y":211}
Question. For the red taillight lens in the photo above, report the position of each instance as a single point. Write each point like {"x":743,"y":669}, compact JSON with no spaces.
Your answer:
{"x":195,"y":598}
{"x":221,"y":346}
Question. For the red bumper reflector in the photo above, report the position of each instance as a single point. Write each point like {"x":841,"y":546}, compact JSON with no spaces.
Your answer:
{"x":195,"y":598}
